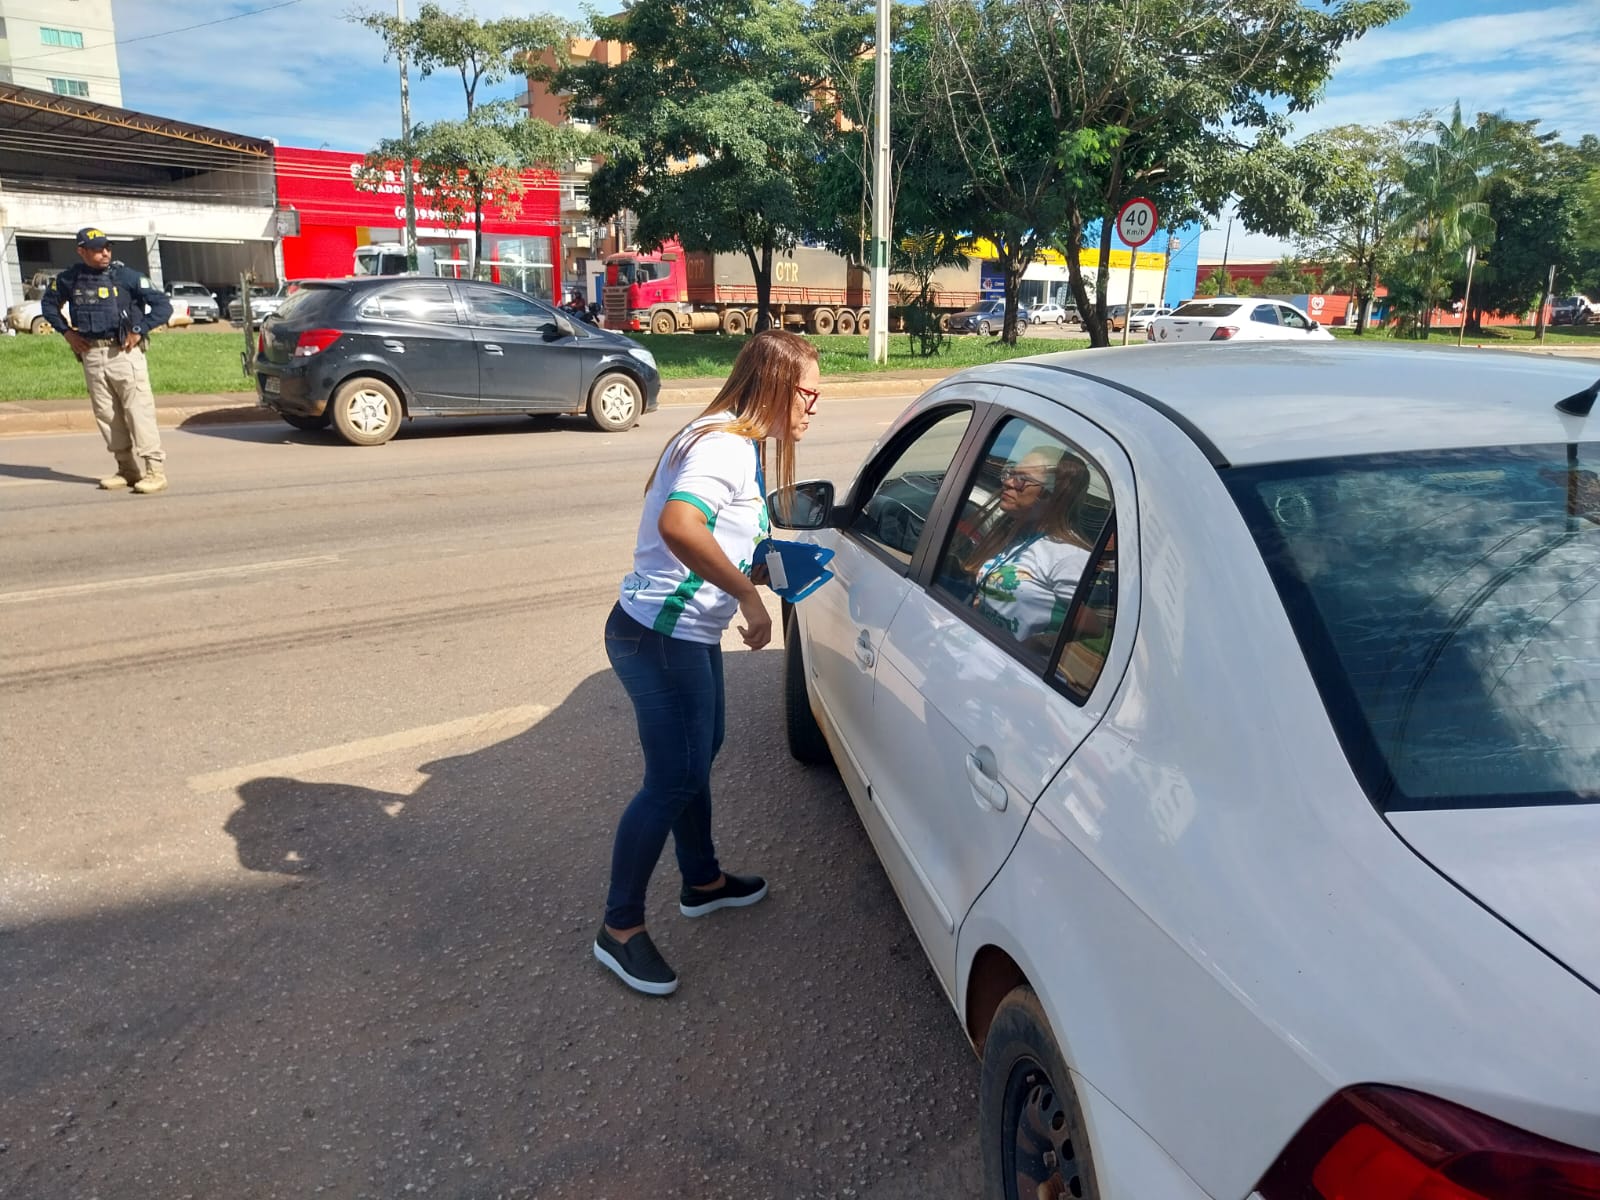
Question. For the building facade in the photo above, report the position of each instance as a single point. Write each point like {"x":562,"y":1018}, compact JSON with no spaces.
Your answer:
{"x":68,"y":47}
{"x":327,"y":217}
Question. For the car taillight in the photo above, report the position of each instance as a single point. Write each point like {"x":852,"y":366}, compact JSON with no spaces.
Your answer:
{"x":1223,"y":332}
{"x":1379,"y":1143}
{"x":261,"y":344}
{"x":315,"y":341}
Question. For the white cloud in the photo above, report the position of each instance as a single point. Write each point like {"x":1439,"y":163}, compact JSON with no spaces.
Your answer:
{"x":1473,"y":40}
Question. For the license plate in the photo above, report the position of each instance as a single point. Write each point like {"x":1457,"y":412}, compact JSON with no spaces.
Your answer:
{"x":271,"y":384}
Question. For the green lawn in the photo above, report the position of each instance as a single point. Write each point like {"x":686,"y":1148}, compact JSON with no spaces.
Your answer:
{"x":1566,"y":335}
{"x":42,"y":368}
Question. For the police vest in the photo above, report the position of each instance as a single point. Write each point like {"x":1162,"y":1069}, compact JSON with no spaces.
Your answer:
{"x":99,"y":299}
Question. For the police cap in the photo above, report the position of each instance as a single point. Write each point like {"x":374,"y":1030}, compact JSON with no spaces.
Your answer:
{"x":91,"y":238}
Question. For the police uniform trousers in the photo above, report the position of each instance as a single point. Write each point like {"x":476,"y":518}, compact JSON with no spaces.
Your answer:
{"x":124,"y":406}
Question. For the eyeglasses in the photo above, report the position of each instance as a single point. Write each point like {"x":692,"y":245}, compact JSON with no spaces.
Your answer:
{"x":810,"y":396}
{"x":1011,"y":477}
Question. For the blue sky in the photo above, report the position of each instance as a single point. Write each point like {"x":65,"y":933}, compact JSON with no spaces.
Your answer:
{"x":303,"y":74}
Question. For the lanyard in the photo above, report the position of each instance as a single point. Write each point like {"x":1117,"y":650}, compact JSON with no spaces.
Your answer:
{"x":761,"y":477}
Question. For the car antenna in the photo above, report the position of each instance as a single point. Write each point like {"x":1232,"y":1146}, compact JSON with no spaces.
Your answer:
{"x":1579,"y":403}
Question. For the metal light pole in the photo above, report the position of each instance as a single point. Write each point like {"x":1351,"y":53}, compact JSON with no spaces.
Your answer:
{"x":1173,"y":246}
{"x":405,"y":147}
{"x":878,"y":311}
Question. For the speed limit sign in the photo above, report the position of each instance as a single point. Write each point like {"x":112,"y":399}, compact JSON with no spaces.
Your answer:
{"x":1136,"y":222}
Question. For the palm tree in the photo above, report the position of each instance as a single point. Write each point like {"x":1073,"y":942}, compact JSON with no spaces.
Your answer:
{"x":1440,"y":204}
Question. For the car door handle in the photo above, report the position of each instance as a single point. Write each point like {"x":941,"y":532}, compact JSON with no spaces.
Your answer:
{"x":394,"y":344}
{"x":491,"y":348}
{"x":864,"y":654}
{"x":984,"y":776}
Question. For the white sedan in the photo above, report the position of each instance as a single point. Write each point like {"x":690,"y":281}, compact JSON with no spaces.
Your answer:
{"x":1048,"y":314}
{"x":1229,"y":319}
{"x":1235,"y":756}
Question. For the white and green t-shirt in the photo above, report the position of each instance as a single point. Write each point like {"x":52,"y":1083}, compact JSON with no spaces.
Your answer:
{"x":1027,"y":589}
{"x":720,"y":475}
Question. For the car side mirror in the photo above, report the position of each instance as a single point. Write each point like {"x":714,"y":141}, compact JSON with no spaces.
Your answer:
{"x":806,"y":505}
{"x":1316,"y":324}
{"x":558,"y":329}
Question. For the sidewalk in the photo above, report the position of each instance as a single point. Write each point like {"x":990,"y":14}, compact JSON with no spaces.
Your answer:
{"x":72,"y":415}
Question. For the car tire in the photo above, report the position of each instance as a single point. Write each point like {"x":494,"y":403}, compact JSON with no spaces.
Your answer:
{"x":663,"y":322}
{"x":366,"y":411}
{"x":308,"y":424}
{"x":1030,"y":1127}
{"x":39,"y":326}
{"x":806,"y":742}
{"x":984,"y":327}
{"x":615,"y":403}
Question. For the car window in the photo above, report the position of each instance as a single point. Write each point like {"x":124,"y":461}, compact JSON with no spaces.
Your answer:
{"x":1265,"y":314}
{"x":1448,"y":603}
{"x":1023,"y":537}
{"x":309,"y":302}
{"x":1292,"y":319}
{"x":896,"y":509}
{"x":1092,"y":623}
{"x":430,"y":304}
{"x":1206,"y":308}
{"x":508,"y":310}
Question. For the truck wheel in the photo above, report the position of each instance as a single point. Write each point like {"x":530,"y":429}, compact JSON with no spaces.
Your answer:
{"x":615,"y":403}
{"x":864,"y":321}
{"x":663,"y":322}
{"x":734,"y":322}
{"x":366,"y":411}
{"x":820,"y":321}
{"x":752,"y":317}
{"x":846,"y":323}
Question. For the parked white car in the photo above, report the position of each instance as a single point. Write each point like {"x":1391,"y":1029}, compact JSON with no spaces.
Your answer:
{"x":1233,"y":753}
{"x":1231,"y":318}
{"x":1143,"y":315}
{"x":1051,"y":314}
{"x":27,"y":317}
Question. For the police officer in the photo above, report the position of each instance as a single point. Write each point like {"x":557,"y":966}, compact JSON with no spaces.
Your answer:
{"x":113,"y":309}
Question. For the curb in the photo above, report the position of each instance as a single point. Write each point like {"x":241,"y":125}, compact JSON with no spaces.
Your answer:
{"x":237,"y":408}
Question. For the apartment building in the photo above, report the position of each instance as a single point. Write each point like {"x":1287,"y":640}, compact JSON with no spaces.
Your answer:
{"x":68,"y":47}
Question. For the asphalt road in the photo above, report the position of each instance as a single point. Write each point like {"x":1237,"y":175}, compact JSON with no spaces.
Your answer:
{"x":309,"y":769}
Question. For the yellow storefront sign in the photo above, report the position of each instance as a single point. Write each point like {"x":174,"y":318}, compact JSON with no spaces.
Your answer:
{"x":1088,"y":257}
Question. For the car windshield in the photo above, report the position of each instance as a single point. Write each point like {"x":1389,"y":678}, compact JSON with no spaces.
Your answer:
{"x":1211,"y":308}
{"x":1448,"y":604}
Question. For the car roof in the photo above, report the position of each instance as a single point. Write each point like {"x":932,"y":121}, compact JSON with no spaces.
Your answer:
{"x":1263,"y":402}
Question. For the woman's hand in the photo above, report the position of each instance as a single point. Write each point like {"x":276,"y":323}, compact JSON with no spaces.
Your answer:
{"x":757,"y":629}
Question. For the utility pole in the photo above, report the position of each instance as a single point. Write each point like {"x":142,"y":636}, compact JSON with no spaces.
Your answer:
{"x":1466,"y":298}
{"x":1544,"y":303}
{"x":1226,"y":242}
{"x":405,"y":147}
{"x":878,"y":312}
{"x":1173,"y":246}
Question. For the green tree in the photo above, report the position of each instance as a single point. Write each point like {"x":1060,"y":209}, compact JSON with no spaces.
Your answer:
{"x":477,"y":162}
{"x":1442,"y":213}
{"x":712,"y":117}
{"x":1289,"y":277}
{"x":1065,"y":110}
{"x":1355,"y":225}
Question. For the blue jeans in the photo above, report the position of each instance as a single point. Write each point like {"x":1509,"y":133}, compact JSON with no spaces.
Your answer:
{"x":676,"y":689}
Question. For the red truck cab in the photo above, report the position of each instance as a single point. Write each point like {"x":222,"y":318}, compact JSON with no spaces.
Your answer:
{"x":639,"y":286}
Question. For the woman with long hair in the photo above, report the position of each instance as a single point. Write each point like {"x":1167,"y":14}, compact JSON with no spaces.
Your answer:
{"x":705,"y":511}
{"x":1026,"y":563}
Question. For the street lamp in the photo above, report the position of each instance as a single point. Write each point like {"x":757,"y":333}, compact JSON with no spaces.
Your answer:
{"x":878,"y":331}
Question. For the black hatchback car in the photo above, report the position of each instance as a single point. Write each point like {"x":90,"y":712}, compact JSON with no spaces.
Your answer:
{"x":364,"y":353}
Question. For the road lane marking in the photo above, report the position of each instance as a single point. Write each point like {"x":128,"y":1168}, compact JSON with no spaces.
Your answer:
{"x":293,"y":765}
{"x":112,"y":585}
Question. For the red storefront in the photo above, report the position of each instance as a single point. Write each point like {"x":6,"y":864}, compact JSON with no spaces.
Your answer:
{"x":336,"y":217}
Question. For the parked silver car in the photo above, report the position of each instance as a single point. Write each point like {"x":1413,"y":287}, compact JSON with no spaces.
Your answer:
{"x":264,"y":301}
{"x":202,"y":301}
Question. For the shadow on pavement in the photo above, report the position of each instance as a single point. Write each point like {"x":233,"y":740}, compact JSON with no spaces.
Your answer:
{"x":20,"y":471}
{"x":399,"y":995}
{"x":422,"y":429}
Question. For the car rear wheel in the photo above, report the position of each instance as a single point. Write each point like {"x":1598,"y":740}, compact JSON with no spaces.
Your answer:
{"x":309,"y":424}
{"x":1029,"y":1123}
{"x":366,"y":411}
{"x":615,"y":403}
{"x":806,"y":742}
{"x":39,"y":326}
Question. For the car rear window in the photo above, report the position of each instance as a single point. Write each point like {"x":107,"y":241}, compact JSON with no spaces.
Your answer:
{"x":309,"y":300}
{"x":1448,"y":604}
{"x":1211,"y":308}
